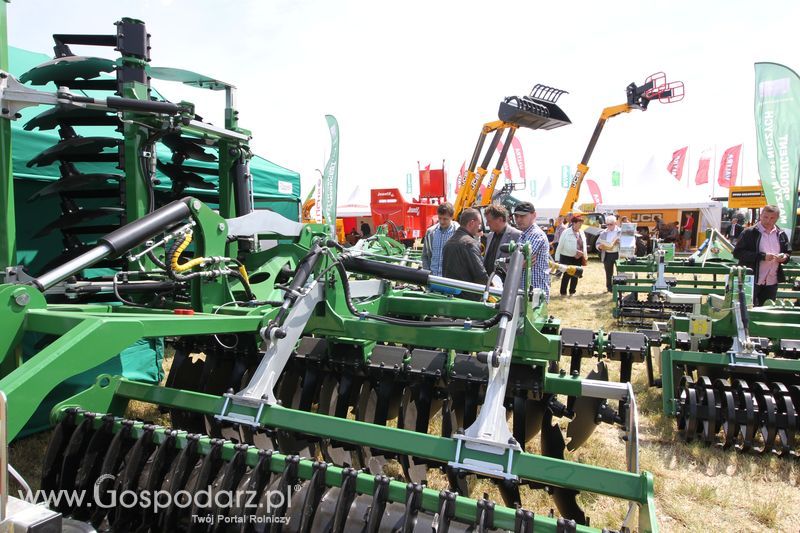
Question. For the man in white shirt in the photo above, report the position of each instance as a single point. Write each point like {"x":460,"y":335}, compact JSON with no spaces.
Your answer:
{"x":571,"y":250}
{"x":608,"y":244}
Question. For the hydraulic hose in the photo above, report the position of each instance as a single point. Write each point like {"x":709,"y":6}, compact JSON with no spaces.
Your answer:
{"x":459,"y":323}
{"x":119,"y":241}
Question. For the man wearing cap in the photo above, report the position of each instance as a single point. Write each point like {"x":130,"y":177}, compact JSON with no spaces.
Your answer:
{"x":524,"y":216}
{"x":608,"y":244}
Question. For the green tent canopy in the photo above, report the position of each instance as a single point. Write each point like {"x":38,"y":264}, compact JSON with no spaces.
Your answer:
{"x":274,"y":186}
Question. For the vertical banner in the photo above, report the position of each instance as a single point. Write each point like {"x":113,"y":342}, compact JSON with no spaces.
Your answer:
{"x":533,"y":187}
{"x":519,"y":156}
{"x":729,"y":167}
{"x":703,"y":167}
{"x":615,"y":179}
{"x":675,"y":166}
{"x":594,"y":190}
{"x":566,"y":176}
{"x":331,"y":176}
{"x":408,"y":183}
{"x":506,"y":164}
{"x":462,"y":175}
{"x":777,"y":114}
{"x":318,"y":201}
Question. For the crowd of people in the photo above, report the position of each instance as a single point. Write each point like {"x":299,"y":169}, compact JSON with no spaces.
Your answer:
{"x":452,"y":249}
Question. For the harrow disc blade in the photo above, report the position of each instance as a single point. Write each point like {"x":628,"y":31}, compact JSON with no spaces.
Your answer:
{"x":187,"y":147}
{"x":374,"y":461}
{"x":73,"y":455}
{"x":75,"y":182}
{"x":113,"y":463}
{"x":71,"y":115}
{"x":92,"y":463}
{"x":768,"y":415}
{"x":411,"y":419}
{"x":77,"y":149}
{"x":289,"y":391}
{"x":182,"y":177}
{"x":728,"y":409}
{"x":334,"y":401}
{"x":54,"y":455}
{"x":157,"y":468}
{"x":747,"y":427}
{"x":786,"y":434}
{"x":586,"y":410}
{"x":78,"y":217}
{"x":67,"y":68}
{"x":553,"y":445}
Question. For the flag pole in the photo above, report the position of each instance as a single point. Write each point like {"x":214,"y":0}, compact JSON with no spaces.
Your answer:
{"x":712,"y":177}
{"x":688,"y":164}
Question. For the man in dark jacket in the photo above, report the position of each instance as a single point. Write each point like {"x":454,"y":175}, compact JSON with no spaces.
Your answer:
{"x":764,"y":248}
{"x":734,"y":231}
{"x":461,"y":255}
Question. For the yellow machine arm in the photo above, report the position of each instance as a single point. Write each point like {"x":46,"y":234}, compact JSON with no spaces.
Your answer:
{"x":539,"y":110}
{"x":468,"y":193}
{"x":583,"y":167}
{"x":655,"y":88}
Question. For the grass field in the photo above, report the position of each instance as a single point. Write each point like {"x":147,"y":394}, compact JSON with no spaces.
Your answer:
{"x":697,"y":488}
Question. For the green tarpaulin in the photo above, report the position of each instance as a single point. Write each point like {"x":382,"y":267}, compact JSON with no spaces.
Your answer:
{"x":275,"y":188}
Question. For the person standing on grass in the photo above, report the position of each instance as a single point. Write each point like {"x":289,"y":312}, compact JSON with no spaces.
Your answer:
{"x":461,"y":257}
{"x":688,"y":226}
{"x":608,"y":244}
{"x":525,"y":216}
{"x":764,"y":248}
{"x":571,"y":251}
{"x":436,"y":237}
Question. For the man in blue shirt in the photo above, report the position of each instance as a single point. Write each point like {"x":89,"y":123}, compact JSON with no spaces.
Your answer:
{"x":436,"y":237}
{"x":525,"y":216}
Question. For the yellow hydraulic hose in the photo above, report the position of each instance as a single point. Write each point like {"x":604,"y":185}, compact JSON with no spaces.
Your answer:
{"x":189,"y":264}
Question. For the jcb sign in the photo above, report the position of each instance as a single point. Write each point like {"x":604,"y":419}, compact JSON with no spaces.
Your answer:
{"x":645,"y":217}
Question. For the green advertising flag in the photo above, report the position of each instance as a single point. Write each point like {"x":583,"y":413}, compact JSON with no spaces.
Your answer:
{"x":777,"y":110}
{"x":566,"y":176}
{"x":615,"y":178}
{"x":331,"y":177}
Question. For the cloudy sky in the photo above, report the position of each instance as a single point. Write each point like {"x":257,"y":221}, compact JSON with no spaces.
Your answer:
{"x":414,"y":81}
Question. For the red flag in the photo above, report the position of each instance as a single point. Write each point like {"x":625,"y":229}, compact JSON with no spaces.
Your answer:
{"x":517,"y":146}
{"x":702,"y":171}
{"x":675,"y":166}
{"x":729,"y":166}
{"x":461,"y":176}
{"x":594,"y":190}
{"x":506,"y":165}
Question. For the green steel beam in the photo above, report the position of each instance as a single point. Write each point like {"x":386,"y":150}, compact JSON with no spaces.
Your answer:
{"x":82,"y":348}
{"x":617,"y":484}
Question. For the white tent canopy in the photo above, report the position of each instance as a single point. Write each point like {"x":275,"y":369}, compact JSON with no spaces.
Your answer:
{"x":655,"y":188}
{"x":356,"y":204}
